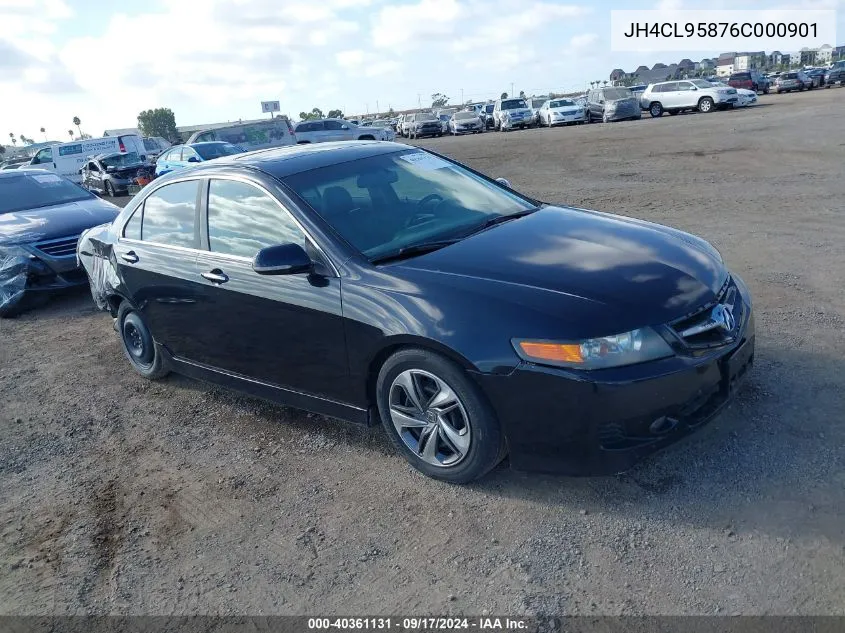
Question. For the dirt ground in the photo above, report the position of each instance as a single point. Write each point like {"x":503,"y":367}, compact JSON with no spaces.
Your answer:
{"x":119,"y":495}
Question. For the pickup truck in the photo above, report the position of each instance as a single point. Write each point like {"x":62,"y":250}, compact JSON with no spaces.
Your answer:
{"x":835,"y":75}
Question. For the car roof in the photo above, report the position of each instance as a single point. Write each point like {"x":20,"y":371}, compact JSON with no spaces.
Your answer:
{"x":281,"y":162}
{"x":206,"y":143}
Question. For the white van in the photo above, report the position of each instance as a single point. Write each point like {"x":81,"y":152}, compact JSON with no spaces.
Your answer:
{"x":67,"y":159}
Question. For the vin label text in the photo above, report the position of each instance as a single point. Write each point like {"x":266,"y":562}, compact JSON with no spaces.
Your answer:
{"x":711,"y":30}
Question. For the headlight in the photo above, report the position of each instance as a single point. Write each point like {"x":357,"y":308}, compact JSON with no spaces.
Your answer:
{"x":637,"y":346}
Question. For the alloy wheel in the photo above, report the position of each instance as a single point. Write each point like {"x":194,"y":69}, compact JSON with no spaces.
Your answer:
{"x":429,"y":417}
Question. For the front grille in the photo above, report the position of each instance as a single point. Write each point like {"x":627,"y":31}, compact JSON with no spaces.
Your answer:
{"x":62,"y":247}
{"x":702,"y":330}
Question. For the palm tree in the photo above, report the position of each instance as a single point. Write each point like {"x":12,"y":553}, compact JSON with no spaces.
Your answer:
{"x":44,"y":132}
{"x":70,"y":134}
{"x":14,"y":140}
{"x":76,"y":122}
{"x":604,"y":83}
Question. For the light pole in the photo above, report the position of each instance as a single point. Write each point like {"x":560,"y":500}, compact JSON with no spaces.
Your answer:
{"x":511,"y":89}
{"x":462,"y":96}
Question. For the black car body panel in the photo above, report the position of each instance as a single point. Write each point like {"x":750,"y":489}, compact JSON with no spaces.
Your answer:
{"x":316,"y":340}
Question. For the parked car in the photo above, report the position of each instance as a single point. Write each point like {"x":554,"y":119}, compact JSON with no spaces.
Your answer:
{"x":322,"y":130}
{"x":817,"y":76}
{"x":520,"y":113}
{"x":111,"y":174}
{"x":612,"y":104}
{"x":750,"y":80}
{"x":835,"y":75}
{"x":562,"y":112}
{"x":14,"y":163}
{"x":41,"y":217}
{"x":487,"y":116}
{"x":465,"y":123}
{"x":444,"y":117}
{"x":603,"y":339}
{"x":744,"y":97}
{"x":67,"y":159}
{"x":792,"y":81}
{"x":154,"y":146}
{"x":186,"y":155}
{"x":535,"y":103}
{"x":275,"y":132}
{"x":692,"y":94}
{"x":422,"y":124}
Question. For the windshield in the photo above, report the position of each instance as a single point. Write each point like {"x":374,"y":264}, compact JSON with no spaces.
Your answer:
{"x":392,"y":201}
{"x":489,"y":108}
{"x":741,"y":76}
{"x":121,"y":160}
{"x":445,"y":117}
{"x":513,"y":104}
{"x":216,"y":150}
{"x":463,"y":116}
{"x":537,"y":103}
{"x":561,"y":103}
{"x":150,"y":145}
{"x":611,"y":94}
{"x":426,"y":117}
{"x":33,"y":190}
{"x":790,"y":76}
{"x":700,"y":83}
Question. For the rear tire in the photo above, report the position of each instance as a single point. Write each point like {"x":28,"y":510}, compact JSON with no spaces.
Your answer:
{"x":468,"y":440}
{"x":138,"y":344}
{"x":656,"y":110}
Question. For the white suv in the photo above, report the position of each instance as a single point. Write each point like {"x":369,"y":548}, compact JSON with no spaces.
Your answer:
{"x":521,"y":115}
{"x":688,"y":94}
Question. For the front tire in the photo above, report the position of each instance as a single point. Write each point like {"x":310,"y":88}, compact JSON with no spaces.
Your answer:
{"x":109,"y":189}
{"x":437,"y":418}
{"x":705,"y":105}
{"x":138,"y":344}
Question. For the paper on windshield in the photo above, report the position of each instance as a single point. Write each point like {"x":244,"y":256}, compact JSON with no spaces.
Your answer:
{"x":46,"y":178}
{"x":425,"y":161}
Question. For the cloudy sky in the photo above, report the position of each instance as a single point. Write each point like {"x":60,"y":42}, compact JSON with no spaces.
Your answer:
{"x":215,"y":60}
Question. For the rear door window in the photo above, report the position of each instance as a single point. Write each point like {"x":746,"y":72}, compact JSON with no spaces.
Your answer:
{"x":170,"y":215}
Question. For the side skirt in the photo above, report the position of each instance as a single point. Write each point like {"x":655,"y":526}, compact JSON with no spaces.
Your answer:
{"x":270,"y":392}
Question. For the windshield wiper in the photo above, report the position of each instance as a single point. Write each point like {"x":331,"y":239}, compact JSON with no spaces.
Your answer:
{"x":499,"y":219}
{"x":414,"y":249}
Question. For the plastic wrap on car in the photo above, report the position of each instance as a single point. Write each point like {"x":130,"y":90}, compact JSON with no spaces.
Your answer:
{"x":14,"y":270}
{"x":94,"y":252}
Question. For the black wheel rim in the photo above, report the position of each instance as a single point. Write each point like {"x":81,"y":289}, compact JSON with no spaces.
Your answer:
{"x":137,"y":344}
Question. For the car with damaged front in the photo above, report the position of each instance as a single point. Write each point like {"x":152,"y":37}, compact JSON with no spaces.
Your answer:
{"x":42,"y":215}
{"x":385,"y":284}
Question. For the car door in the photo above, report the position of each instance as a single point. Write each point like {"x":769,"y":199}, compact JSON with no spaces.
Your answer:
{"x":189,"y":157}
{"x":336,"y":131}
{"x":44,"y":159}
{"x":95,"y":176}
{"x":156,"y":258}
{"x":286,"y":330}
{"x":686,"y":96}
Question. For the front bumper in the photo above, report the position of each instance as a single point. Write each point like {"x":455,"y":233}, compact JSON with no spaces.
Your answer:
{"x":623,"y":115}
{"x":428,"y":131}
{"x":469,"y":130}
{"x":27,"y":270}
{"x":604,"y":422}
{"x":563,"y":119}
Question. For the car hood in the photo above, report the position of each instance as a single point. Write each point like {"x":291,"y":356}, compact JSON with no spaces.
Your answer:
{"x":569,"y":108}
{"x":60,"y":220}
{"x":647,"y":273}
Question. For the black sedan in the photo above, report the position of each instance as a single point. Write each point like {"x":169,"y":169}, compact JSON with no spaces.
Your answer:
{"x":41,"y":217}
{"x":381,"y":282}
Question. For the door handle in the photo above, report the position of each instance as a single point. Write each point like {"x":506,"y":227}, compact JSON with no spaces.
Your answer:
{"x":216,"y":276}
{"x":130,"y":257}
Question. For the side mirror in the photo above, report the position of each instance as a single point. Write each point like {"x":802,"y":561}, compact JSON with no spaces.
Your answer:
{"x":601,"y":101}
{"x":193,"y":159}
{"x":110,"y":168}
{"x":344,"y":127}
{"x":504,"y":182}
{"x":283,"y":259}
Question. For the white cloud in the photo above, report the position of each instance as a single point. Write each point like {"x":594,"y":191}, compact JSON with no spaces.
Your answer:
{"x":583,"y":41}
{"x":350,"y":59}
